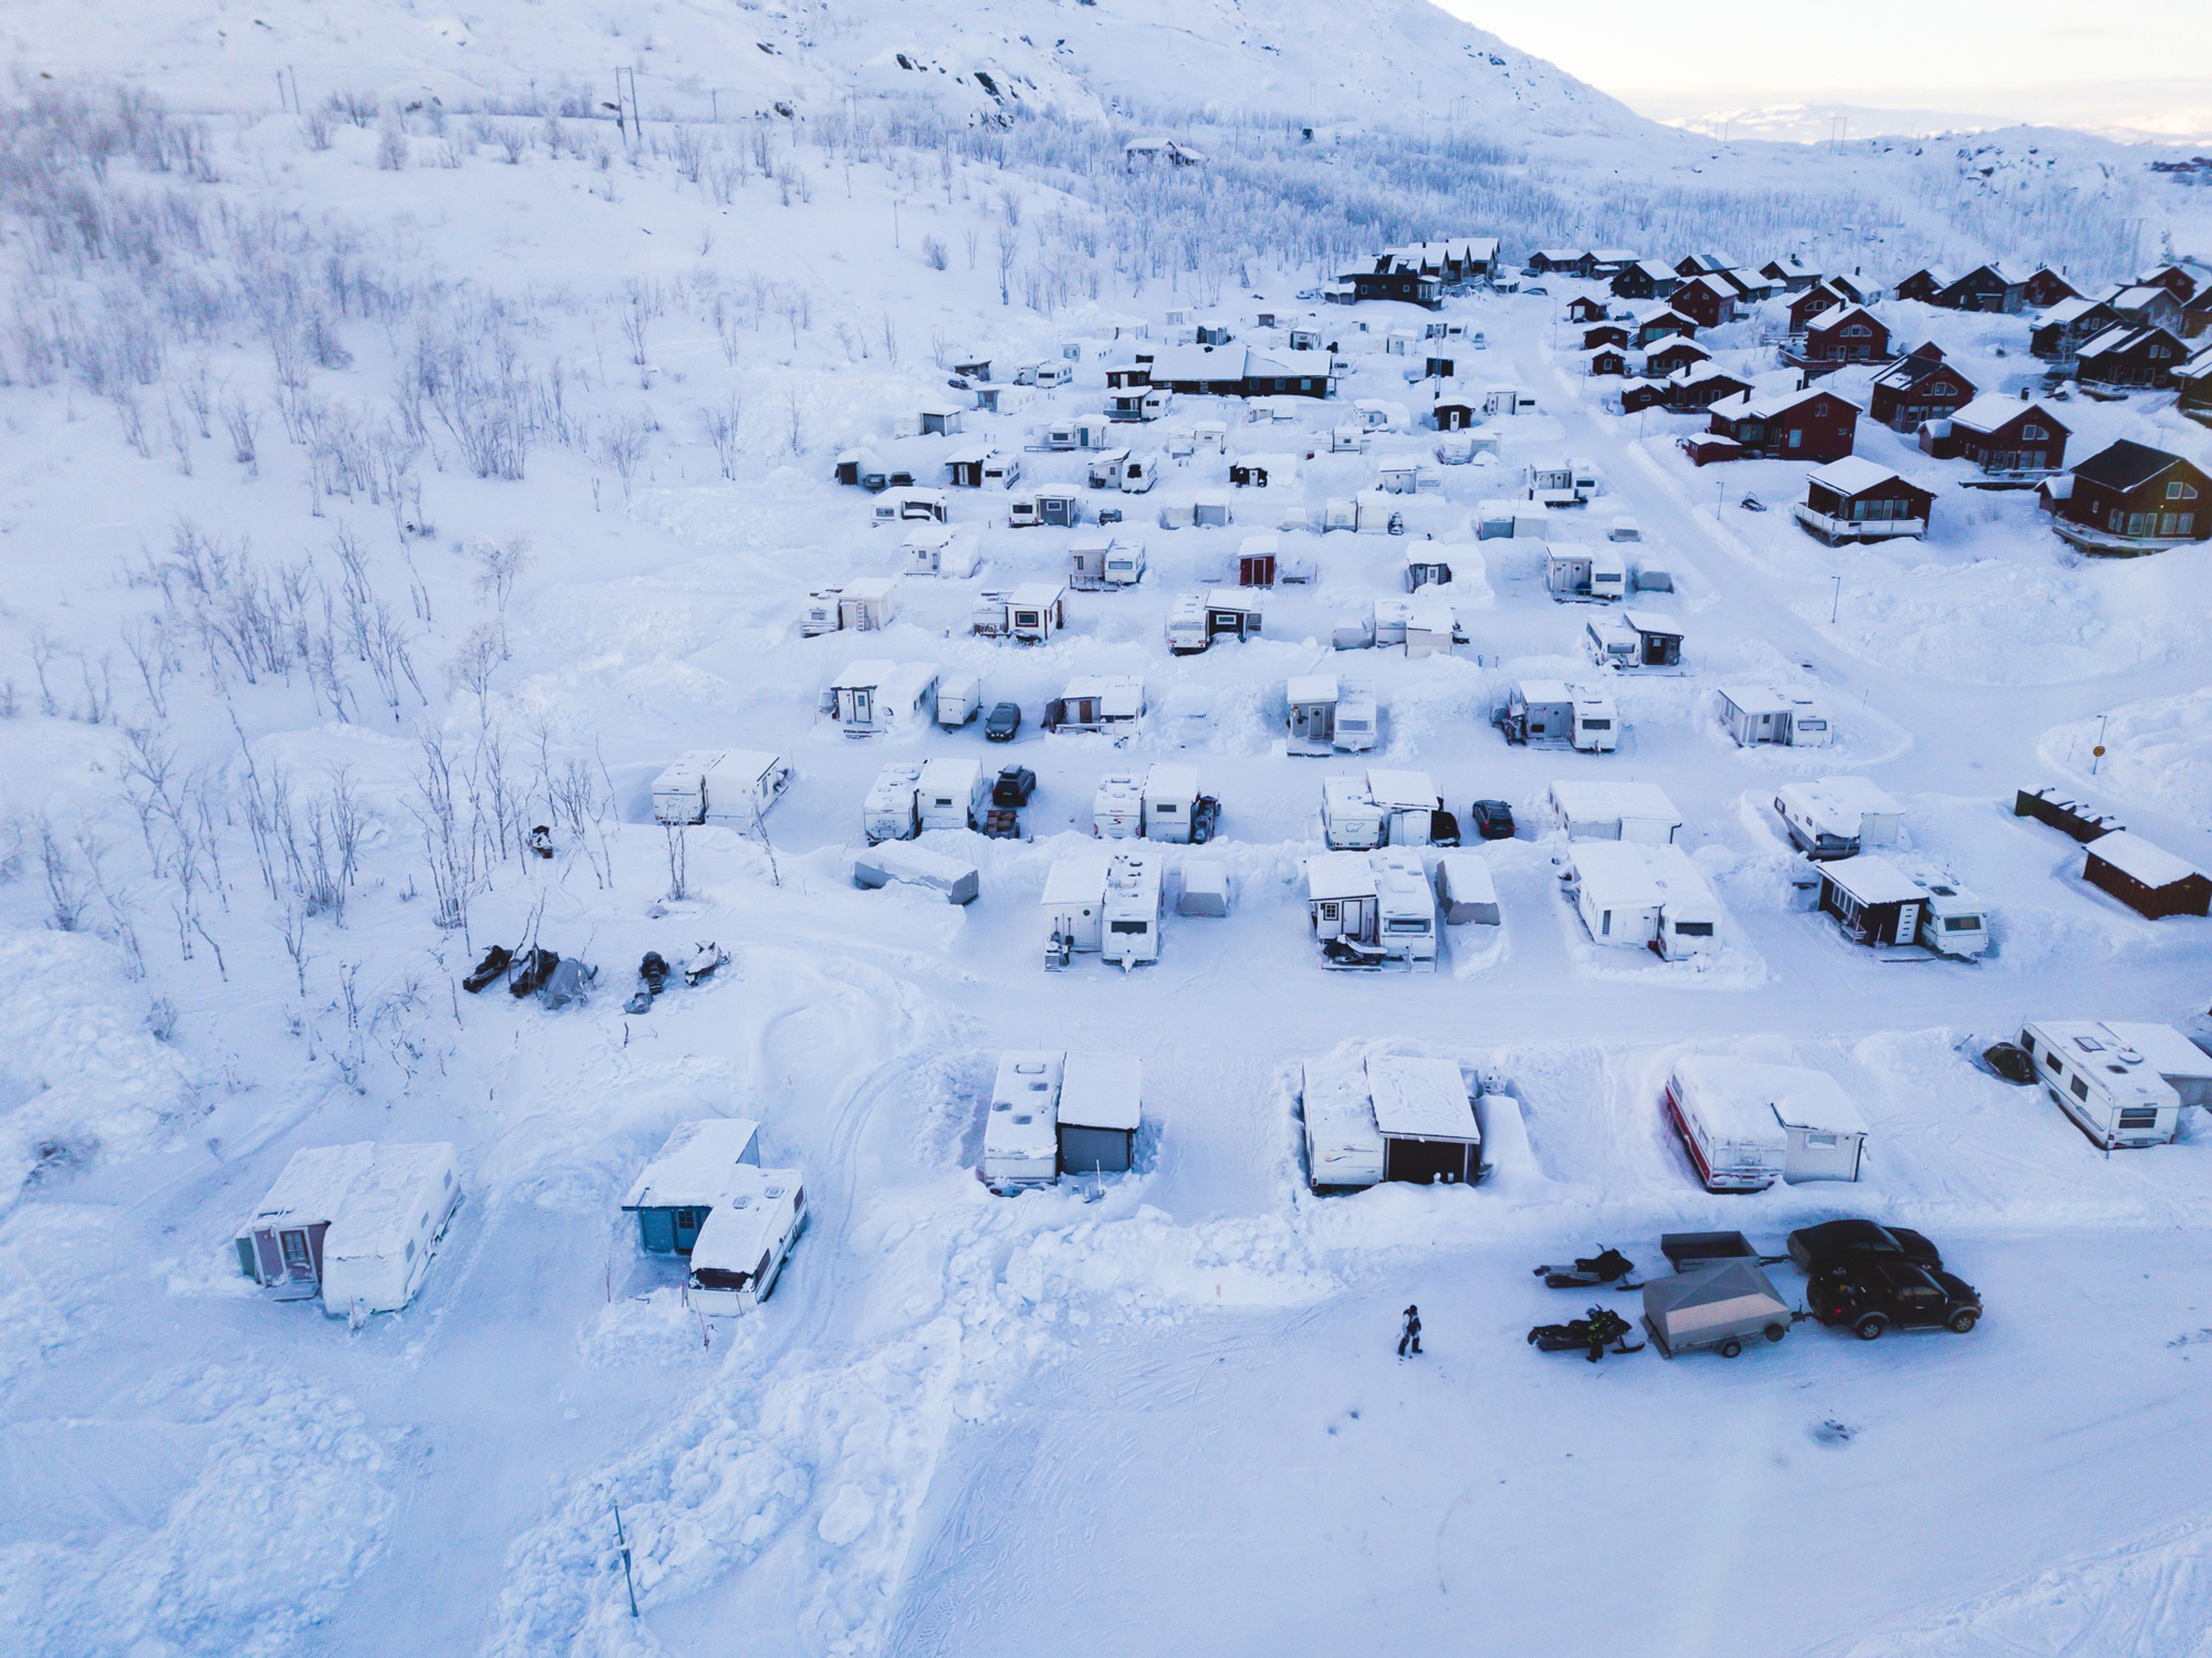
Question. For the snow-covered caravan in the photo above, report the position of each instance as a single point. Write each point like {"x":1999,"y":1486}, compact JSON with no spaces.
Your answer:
{"x":874,"y":697}
{"x":2185,"y":1067}
{"x":1549,"y":710}
{"x":1952,"y":920}
{"x":1021,"y":1138}
{"x":1330,"y":713}
{"x":1408,"y":802}
{"x":1174,"y":809}
{"x":1431,"y":626}
{"x":1425,"y":563}
{"x":889,"y":810}
{"x":2104,"y":1081}
{"x":1035,"y":611}
{"x":1574,"y":569}
{"x":959,"y":700}
{"x":1634,"y":638}
{"x":741,"y":1249}
{"x":953,"y":794}
{"x":1615,"y":811}
{"x":1689,"y":914}
{"x":1047,"y":505}
{"x":917,"y":866}
{"x":1747,"y":1125}
{"x":1130,"y":935}
{"x":1075,"y":902}
{"x":1614,"y":893}
{"x":1468,"y":889}
{"x":1350,"y":819}
{"x":1097,"y":702}
{"x":932,"y":550}
{"x":1101,"y":1109}
{"x":1874,"y":902}
{"x":356,"y":1224}
{"x":867,"y":602}
{"x":903,"y":505}
{"x":1426,"y":1119}
{"x":1405,"y":908}
{"x":1344,"y":1148}
{"x":1104,"y":561}
{"x":679,"y":1188}
{"x":1765,"y":713}
{"x":1118,"y":809}
{"x":731,"y":787}
{"x":1838,"y":817}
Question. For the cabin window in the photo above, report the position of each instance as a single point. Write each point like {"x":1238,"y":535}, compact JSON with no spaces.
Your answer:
{"x":1605,"y":924}
{"x":1796,"y":438}
{"x":1822,"y":1142}
{"x":1329,"y":911}
{"x":2080,"y":1088}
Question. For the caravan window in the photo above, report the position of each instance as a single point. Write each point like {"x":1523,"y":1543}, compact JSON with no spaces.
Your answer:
{"x":1329,"y":911}
{"x":1694,"y":929}
{"x":2080,"y":1088}
{"x":2050,"y":1059}
{"x":2138,"y":1116}
{"x":1128,"y":926}
{"x":1962,"y":923}
{"x":1823,"y":1142}
{"x":1597,"y":725}
{"x":1405,"y":926}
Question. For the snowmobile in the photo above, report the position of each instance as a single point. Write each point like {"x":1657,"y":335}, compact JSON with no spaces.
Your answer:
{"x":704,"y":960}
{"x":490,"y":970}
{"x":541,"y":841}
{"x":1609,"y":1265}
{"x":531,"y":969}
{"x":1346,"y":953}
{"x":1752,"y":504}
{"x":1590,"y":1333}
{"x":652,"y":979}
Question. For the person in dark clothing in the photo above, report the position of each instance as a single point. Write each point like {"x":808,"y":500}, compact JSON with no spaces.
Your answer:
{"x":1412,"y":1335}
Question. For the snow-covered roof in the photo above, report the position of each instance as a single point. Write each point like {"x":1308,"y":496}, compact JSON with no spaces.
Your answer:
{"x":865,"y":675}
{"x":1765,"y":405}
{"x":1546,"y":690}
{"x":2168,"y":1052}
{"x":748,"y":1222}
{"x":384,"y":1204}
{"x":1169,"y":780}
{"x":1401,"y":790}
{"x":1332,"y":875}
{"x":1333,"y":1098}
{"x":1872,"y":880}
{"x":1650,"y":622}
{"x":1037,"y":595}
{"x":1102,"y":1090}
{"x":2137,"y":858}
{"x":313,"y":1186}
{"x":1746,"y":1100}
{"x":1613,"y":875}
{"x":1992,"y":409}
{"x":1853,"y":475}
{"x":1682,"y":884}
{"x":1837,"y":315}
{"x":1077,"y":878}
{"x":692,"y":1166}
{"x":1469,"y":876}
{"x":1583,"y":800}
{"x":1842,"y":800}
{"x":1308,"y":688}
{"x":1420,"y":1099}
{"x":2067,"y":309}
{"x":1756,"y":699}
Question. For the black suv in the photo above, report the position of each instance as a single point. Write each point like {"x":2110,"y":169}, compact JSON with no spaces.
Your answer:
{"x":1878,"y":1295}
{"x":1013,"y":786}
{"x":1493,"y":820}
{"x":1001,"y":725}
{"x":1818,"y":1249}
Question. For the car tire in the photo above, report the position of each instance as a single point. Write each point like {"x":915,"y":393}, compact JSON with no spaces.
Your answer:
{"x":1776,"y":1332}
{"x":1730,"y":1348}
{"x":1868,"y":1328}
{"x":1963,"y":1321}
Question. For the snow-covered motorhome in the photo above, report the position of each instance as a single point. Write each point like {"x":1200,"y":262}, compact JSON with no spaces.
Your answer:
{"x":1615,"y":811}
{"x":1097,"y":702}
{"x":1099,"y":561}
{"x":876,"y":697}
{"x":894,"y":862}
{"x":891,"y":811}
{"x":911,"y":505}
{"x":933,"y":550}
{"x":1838,"y":817}
{"x":740,"y":1252}
{"x":1952,"y":920}
{"x":1196,"y":620}
{"x":1021,"y":1137}
{"x":355,"y":1224}
{"x":1387,"y":1118}
{"x":1576,"y":569}
{"x":1551,"y":711}
{"x":1378,"y":904}
{"x":952,"y":794}
{"x":1100,"y":1109}
{"x":1382,"y":808}
{"x":731,"y":786}
{"x":1689,"y":914}
{"x":1766,"y":714}
{"x":675,"y":1192}
{"x":1331,"y":714}
{"x":1747,"y":1125}
{"x":1080,"y":432}
{"x":2100,"y":1077}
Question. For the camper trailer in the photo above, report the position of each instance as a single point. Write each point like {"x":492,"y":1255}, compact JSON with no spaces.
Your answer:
{"x":1615,"y":811}
{"x":1344,"y":1149}
{"x":1574,"y":569}
{"x":1374,"y":906}
{"x":1634,"y":638}
{"x":1349,"y":820}
{"x":959,"y":700}
{"x":1045,"y":506}
{"x":1021,"y":1136}
{"x":1196,"y":620}
{"x":1431,"y":627}
{"x":1838,"y":817}
{"x":932,"y":549}
{"x":863,"y":605}
{"x":1389,"y":1118}
{"x":1873,"y":901}
{"x":355,"y":1224}
{"x":1383,"y":808}
{"x":2123,"y":1084}
{"x":952,"y":794}
{"x":1174,"y":809}
{"x":889,"y":811}
{"x":1632,"y":895}
{"x":911,"y":505}
{"x":1104,"y":562}
{"x":731,"y":786}
{"x":1689,"y":914}
{"x":1097,"y":702}
{"x":1331,"y":714}
{"x":1100,"y":1109}
{"x":1747,"y":1125}
{"x":1952,"y":921}
{"x":689,"y":1175}
{"x":1763,"y":714}
{"x":1550,"y":711}
{"x":1131,"y":934}
{"x":876,"y":697}
{"x":1467,"y":890}
{"x":740,"y":1252}
{"x":896,"y":863}
{"x":1117,"y":810}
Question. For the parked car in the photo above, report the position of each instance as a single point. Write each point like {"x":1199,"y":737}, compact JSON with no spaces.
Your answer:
{"x":1876,"y":1296}
{"x":1004,"y":720}
{"x":1014,"y":786}
{"x":1835,"y":1244}
{"x":1493,"y":820}
{"x":1444,"y":828}
{"x":2010,"y":1061}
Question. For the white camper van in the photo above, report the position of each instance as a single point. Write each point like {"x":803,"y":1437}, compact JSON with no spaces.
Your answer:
{"x":2108,"y":1079}
{"x":731,"y":786}
{"x":889,"y":811}
{"x":355,"y":1224}
{"x":741,"y":1250}
{"x":1747,"y":1125}
{"x":1021,"y":1138}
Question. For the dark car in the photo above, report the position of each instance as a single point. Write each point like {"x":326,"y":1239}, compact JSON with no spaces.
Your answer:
{"x":1444,"y":828}
{"x":1014,"y":786}
{"x":2010,"y":1061}
{"x":1835,"y":1244}
{"x":1493,"y":820}
{"x":1004,"y":720}
{"x":1880,"y":1295}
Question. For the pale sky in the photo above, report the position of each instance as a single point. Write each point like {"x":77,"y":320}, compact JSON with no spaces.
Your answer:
{"x":1969,"y":54}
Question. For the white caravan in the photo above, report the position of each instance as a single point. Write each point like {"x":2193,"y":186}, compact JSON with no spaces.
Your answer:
{"x":1767,"y":713}
{"x":355,"y":1224}
{"x":1838,"y":817}
{"x":1021,"y":1138}
{"x":953,"y":794}
{"x":875,"y":697}
{"x":741,"y":1249}
{"x":1331,"y":714}
{"x":889,"y":813}
{"x":2101,"y":1078}
{"x":731,"y":786}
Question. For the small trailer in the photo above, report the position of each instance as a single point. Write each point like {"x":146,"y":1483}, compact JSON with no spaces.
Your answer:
{"x":1048,"y":505}
{"x":1174,"y":809}
{"x":1117,"y":810}
{"x":911,"y":506}
{"x":1099,"y":562}
{"x":1765,"y":713}
{"x":1021,"y":1137}
{"x":952,"y":794}
{"x":1130,"y":935}
{"x":1331,"y":714}
{"x":1350,"y":819}
{"x":692,"y":1172}
{"x":1615,"y":811}
{"x":1344,"y":1148}
{"x":1873,"y":901}
{"x":741,"y":1250}
{"x":917,"y":866}
{"x":1197,"y":619}
{"x":1719,"y":1307}
{"x":1467,"y":889}
{"x":731,"y":786}
{"x":890,"y":810}
{"x":1430,"y":1136}
{"x":1747,"y":1125}
{"x":2109,"y":1079}
{"x":1101,"y":1109}
{"x":1838,"y":817}
{"x":935,"y":550}
{"x":1689,"y":914}
{"x":1551,"y":711}
{"x":1574,"y":569}
{"x":959,"y":700}
{"x":877,"y":697}
{"x":1097,"y":702}
{"x":1407,"y":803}
{"x":355,"y":1224}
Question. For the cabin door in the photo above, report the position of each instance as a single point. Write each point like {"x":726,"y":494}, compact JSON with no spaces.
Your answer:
{"x":864,"y":709}
{"x":299,"y":1260}
{"x":688,"y":1222}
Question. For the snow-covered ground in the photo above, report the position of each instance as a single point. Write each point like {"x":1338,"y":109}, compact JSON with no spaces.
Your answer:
{"x":484,"y":443}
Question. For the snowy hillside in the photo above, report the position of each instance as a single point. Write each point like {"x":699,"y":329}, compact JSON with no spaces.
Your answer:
{"x":394,"y":485}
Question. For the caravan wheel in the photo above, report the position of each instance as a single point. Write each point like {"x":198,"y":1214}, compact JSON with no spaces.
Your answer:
{"x":1730,"y":1348}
